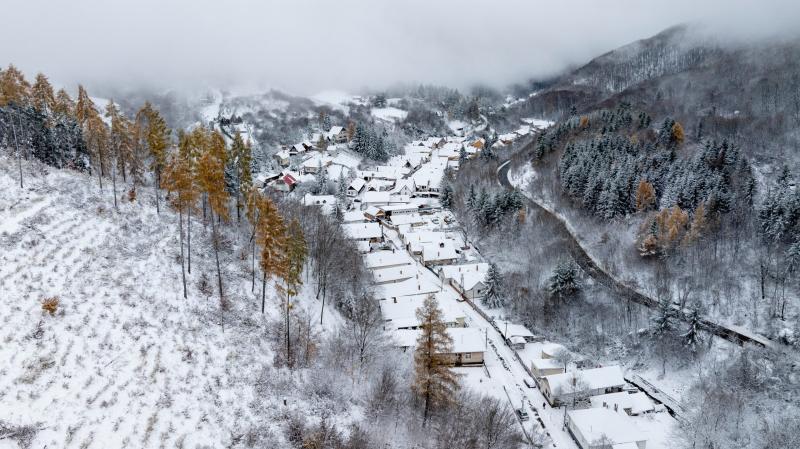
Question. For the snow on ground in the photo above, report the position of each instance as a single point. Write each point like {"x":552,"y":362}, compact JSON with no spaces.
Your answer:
{"x":334,"y":98}
{"x":127,"y":361}
{"x":389,"y":114}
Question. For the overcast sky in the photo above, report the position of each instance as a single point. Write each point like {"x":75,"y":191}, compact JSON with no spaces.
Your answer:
{"x":305,"y":46}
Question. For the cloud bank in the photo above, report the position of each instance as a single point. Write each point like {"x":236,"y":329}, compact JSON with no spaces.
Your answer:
{"x":304,"y":46}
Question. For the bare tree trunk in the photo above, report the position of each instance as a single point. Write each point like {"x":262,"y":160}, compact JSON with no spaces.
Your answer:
{"x":180,"y":230}
{"x":288,"y":341}
{"x":216,"y":255}
{"x":155,"y":189}
{"x":114,"y":184}
{"x":189,"y":238}
{"x":19,"y":153}
{"x":263,"y":291}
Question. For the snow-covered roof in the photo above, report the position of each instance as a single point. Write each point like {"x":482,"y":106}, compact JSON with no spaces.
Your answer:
{"x":408,"y":287}
{"x":353,"y":216}
{"x":394,"y":274}
{"x":400,"y":208}
{"x":362,"y":231}
{"x":405,"y":219}
{"x":454,"y":271}
{"x":637,"y":402}
{"x":432,"y":252}
{"x":546,"y":364}
{"x":508,"y":329}
{"x":467,"y":339}
{"x":406,"y":338}
{"x":592,"y":379}
{"x":357,"y":184}
{"x":596,"y":423}
{"x":401,"y":312}
{"x":382,"y":259}
{"x":376,"y":197}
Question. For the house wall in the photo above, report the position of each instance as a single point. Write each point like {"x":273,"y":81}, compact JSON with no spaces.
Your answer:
{"x":545,"y":371}
{"x":465,"y":358}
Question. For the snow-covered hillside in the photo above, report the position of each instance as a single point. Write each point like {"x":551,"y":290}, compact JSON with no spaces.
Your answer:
{"x":126,"y":361}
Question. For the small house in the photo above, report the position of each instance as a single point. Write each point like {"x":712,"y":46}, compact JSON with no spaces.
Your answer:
{"x":285,"y":184}
{"x":545,"y":367}
{"x":355,"y":187}
{"x":601,"y":428}
{"x":578,"y":385}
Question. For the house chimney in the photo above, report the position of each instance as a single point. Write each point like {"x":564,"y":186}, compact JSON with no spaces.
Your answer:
{"x":395,"y":299}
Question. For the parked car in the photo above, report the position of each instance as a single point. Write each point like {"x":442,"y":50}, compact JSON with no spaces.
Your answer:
{"x":522,"y":414}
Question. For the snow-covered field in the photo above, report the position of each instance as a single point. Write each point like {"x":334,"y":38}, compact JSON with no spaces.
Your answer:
{"x":126,"y":361}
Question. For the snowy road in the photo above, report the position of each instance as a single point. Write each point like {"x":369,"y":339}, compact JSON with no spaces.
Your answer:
{"x":503,"y":369}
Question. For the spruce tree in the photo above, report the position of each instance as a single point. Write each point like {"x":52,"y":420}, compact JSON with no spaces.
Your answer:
{"x":494,"y":283}
{"x":446,"y":195}
{"x":692,"y":337}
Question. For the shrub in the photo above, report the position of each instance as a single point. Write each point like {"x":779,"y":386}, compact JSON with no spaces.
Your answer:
{"x":50,"y":305}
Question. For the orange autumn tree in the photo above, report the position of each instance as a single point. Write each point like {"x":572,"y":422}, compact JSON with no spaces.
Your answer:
{"x":178,"y":178}
{"x":211,"y":181}
{"x":271,"y":240}
{"x":645,"y":196}
{"x":663,"y":231}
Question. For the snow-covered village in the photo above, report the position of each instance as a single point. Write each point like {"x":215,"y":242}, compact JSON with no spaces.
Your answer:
{"x":596,"y":251}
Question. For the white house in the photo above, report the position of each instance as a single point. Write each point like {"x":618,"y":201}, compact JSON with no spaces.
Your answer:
{"x":401,"y":313}
{"x":442,"y":253}
{"x":545,"y":367}
{"x":601,"y":428}
{"x":560,"y":388}
{"x":469,"y":345}
{"x":386,"y":259}
{"x":368,"y":232}
{"x":633,"y":404}
{"x":355,"y":187}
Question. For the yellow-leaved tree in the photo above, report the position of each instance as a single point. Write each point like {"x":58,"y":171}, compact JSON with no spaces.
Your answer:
{"x":435,"y":383}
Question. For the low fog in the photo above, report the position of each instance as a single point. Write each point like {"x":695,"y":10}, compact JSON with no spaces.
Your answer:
{"x":305,"y":46}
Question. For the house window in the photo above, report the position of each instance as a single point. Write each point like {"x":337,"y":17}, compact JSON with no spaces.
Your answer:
{"x":467,"y":356}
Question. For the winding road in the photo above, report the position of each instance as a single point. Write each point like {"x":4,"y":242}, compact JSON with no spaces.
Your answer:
{"x":620,"y":289}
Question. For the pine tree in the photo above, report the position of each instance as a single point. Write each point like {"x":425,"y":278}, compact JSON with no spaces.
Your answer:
{"x":211,"y":181}
{"x":435,"y":383}
{"x":662,"y":324}
{"x":692,"y":337}
{"x":341,"y":187}
{"x":564,"y":282}
{"x":471,"y":198}
{"x":494,"y":284}
{"x":446,"y":195}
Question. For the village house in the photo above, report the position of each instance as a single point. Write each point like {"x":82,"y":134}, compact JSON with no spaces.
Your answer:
{"x":393,"y":274}
{"x":469,"y":345}
{"x":633,"y":404}
{"x":401,"y":313}
{"x":515,"y":335}
{"x":404,"y":187}
{"x":286,"y":183}
{"x":550,"y":350}
{"x":577,"y":385}
{"x":374,"y":213}
{"x":366,"y":232}
{"x":386,"y":259}
{"x":545,"y":367}
{"x":283,"y":158}
{"x":355,"y":187}
{"x":468,"y":279}
{"x":299,"y":148}
{"x":442,"y":253}
{"x":337,"y":134}
{"x":354,"y":216}
{"x":601,"y":428}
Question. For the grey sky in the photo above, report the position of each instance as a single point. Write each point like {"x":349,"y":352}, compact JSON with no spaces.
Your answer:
{"x":305,"y":46}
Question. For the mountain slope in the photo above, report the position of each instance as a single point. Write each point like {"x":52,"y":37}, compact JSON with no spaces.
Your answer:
{"x":749,"y":92}
{"x":126,"y":361}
